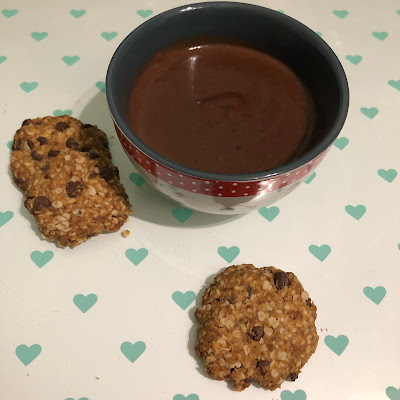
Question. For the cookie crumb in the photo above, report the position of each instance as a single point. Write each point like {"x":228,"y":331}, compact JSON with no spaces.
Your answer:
{"x":126,"y":233}
{"x":97,"y":378}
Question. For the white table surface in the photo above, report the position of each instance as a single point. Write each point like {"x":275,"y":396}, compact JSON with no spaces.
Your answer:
{"x":77,"y":355}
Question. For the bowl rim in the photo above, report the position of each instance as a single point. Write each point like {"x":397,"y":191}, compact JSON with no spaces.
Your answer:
{"x":304,"y":159}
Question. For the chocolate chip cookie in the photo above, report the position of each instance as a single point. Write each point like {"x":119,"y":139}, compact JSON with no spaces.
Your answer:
{"x":71,"y":186}
{"x":256,"y":325}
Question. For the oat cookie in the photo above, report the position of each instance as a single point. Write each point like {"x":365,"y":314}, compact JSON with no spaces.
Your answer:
{"x":255,"y":324}
{"x":71,"y":186}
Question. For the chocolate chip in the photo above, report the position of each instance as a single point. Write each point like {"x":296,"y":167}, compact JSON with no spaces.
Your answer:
{"x":105,"y":144}
{"x":36,"y":156}
{"x":106,"y":173}
{"x":293,"y":376}
{"x":53,"y":153}
{"x":309,"y":302}
{"x":45,"y":167}
{"x":232,"y":298}
{"x":85,"y":126}
{"x":85,"y":149}
{"x":20,"y":182}
{"x":38,"y":123}
{"x":72,"y":144}
{"x":249,"y":290}
{"x":17,"y":145}
{"x":62,"y":126}
{"x":281,"y":279}
{"x":42,"y":140}
{"x":257,"y":333}
{"x":92,"y":175}
{"x":73,"y":188}
{"x":30,"y":144}
{"x":92,"y":156}
{"x":40,"y":202}
{"x":248,"y":380}
{"x":26,"y":122}
{"x":263,"y":365}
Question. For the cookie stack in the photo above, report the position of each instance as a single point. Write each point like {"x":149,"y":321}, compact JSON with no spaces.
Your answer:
{"x":71,"y":186}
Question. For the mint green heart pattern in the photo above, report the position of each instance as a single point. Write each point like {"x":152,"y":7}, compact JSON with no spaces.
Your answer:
{"x":5,"y":216}
{"x":85,"y":303}
{"x":310,"y":178}
{"x":380,"y":35}
{"x":38,"y":36}
{"x":354,"y":59}
{"x":191,"y":396}
{"x":228,"y":253}
{"x":320,"y":252}
{"x":375,"y":294}
{"x":269,"y":213}
{"x":137,"y":179}
{"x":181,"y":214}
{"x":9,"y":145}
{"x":9,"y":13}
{"x":183,"y":300}
{"x":145,"y":13}
{"x":356,"y":211}
{"x":394,"y":84}
{"x":341,"y":143}
{"x":41,"y":259}
{"x":297,"y":395}
{"x":77,"y":13}
{"x":27,"y":354}
{"x":369,"y":112}
{"x":391,"y":391}
{"x":3,"y":59}
{"x":101,"y":86}
{"x":132,"y":351}
{"x":341,"y":13}
{"x":57,"y":113}
{"x":389,"y":175}
{"x":81,"y":398}
{"x":109,"y":35}
{"x":136,"y":256}
{"x":337,"y":344}
{"x":27,"y":87}
{"x":318,"y":33}
{"x":71,"y":60}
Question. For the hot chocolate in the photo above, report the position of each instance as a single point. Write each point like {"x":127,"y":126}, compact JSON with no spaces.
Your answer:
{"x":220,"y":107}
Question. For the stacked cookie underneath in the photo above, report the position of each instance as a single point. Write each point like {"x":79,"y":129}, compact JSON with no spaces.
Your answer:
{"x":71,"y":186}
{"x":256,"y":324}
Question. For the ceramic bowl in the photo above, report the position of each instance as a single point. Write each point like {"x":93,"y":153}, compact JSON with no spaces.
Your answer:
{"x":283,"y":37}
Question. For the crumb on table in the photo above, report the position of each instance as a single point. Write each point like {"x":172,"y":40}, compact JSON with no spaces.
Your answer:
{"x":126,"y":233}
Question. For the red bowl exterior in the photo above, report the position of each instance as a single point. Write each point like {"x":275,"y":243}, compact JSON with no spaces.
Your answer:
{"x":215,"y":196}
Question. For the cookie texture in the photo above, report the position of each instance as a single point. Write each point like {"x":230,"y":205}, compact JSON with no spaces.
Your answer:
{"x":255,"y":325}
{"x":71,"y":186}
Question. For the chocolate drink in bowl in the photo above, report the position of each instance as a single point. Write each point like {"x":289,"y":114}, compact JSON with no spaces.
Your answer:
{"x":230,"y":124}
{"x":220,"y":106}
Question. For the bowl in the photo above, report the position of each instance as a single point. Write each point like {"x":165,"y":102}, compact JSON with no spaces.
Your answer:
{"x":281,"y":36}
